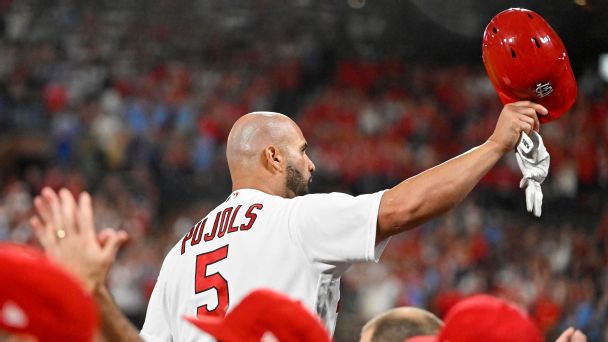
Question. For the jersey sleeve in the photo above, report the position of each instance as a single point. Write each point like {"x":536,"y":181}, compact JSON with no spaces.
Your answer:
{"x":336,"y":228}
{"x":156,"y":325}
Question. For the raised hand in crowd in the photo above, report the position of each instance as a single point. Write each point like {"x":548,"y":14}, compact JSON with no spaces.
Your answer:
{"x":572,"y":335}
{"x":66,"y":231}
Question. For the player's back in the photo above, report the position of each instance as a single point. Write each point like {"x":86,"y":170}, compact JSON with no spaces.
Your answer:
{"x":242,"y":245}
{"x":298,"y":246}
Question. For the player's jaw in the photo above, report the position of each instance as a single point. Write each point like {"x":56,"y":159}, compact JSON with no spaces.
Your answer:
{"x":296,"y":183}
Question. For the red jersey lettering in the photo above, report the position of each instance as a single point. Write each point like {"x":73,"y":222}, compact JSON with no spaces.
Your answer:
{"x":225,"y":219}
{"x":187,"y":237}
{"x":231,"y":227}
{"x":210,"y":236}
{"x":251,"y":216}
{"x":198,"y":232}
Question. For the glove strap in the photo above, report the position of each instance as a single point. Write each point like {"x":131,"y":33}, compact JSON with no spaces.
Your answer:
{"x":526,"y":144}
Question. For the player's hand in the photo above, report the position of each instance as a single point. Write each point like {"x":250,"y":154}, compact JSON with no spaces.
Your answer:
{"x":66,"y":230}
{"x":572,"y":335}
{"x":515,"y":118}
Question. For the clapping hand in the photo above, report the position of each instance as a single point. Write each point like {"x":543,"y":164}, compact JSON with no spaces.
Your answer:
{"x":66,"y":230}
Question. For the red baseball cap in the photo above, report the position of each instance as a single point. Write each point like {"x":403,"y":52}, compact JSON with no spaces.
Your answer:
{"x":39,"y":298}
{"x":485,"y":318}
{"x":526,"y":60}
{"x":260,"y":312}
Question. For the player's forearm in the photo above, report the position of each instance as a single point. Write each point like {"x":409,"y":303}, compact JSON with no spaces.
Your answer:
{"x":115,"y":326}
{"x":435,"y":191}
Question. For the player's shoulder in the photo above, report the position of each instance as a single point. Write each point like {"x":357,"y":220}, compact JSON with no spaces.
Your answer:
{"x":324,"y":198}
{"x":328,"y":195}
{"x":335,"y":201}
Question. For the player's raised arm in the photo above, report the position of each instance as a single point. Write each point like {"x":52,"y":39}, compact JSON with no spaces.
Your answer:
{"x":437,"y":190}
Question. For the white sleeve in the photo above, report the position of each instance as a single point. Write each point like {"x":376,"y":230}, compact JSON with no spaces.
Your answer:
{"x":336,"y":228}
{"x":156,"y":325}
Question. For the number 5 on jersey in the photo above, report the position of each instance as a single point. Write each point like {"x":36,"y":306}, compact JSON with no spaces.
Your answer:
{"x":204,"y":281}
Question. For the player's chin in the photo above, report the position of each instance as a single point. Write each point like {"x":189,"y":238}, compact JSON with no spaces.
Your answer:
{"x":304,"y":189}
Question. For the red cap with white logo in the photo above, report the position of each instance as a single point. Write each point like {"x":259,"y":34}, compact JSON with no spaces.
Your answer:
{"x":526,"y":60}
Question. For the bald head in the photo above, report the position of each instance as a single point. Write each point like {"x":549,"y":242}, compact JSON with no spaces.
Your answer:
{"x":252,"y":132}
{"x":263,"y":148}
{"x":399,"y":324}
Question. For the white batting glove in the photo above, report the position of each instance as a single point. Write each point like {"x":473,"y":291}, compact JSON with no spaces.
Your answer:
{"x":533,"y":160}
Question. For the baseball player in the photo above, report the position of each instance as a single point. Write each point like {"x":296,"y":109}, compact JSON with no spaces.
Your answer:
{"x":266,"y":234}
{"x":269,"y":233}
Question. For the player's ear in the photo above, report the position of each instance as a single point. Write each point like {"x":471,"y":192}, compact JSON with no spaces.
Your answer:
{"x":273,"y":159}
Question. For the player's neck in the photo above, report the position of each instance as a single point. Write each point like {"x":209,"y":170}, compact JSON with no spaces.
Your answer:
{"x":267,"y":188}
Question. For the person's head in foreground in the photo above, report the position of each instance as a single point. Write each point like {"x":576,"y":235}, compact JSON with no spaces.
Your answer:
{"x":264,"y":315}
{"x":39,"y":301}
{"x":399,"y":324}
{"x":267,"y":151}
{"x":485,"y":318}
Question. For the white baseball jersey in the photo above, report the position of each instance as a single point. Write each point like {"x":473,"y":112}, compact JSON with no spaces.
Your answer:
{"x":298,"y":246}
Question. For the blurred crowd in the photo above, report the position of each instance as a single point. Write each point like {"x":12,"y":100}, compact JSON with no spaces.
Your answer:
{"x":139,"y":117}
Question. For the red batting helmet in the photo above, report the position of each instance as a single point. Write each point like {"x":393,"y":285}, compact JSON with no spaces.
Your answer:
{"x":526,"y":60}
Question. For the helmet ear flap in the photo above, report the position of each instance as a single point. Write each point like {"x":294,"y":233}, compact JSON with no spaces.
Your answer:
{"x":526,"y":60}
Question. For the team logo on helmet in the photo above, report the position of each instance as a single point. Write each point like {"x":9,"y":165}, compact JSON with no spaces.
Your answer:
{"x":543,"y":89}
